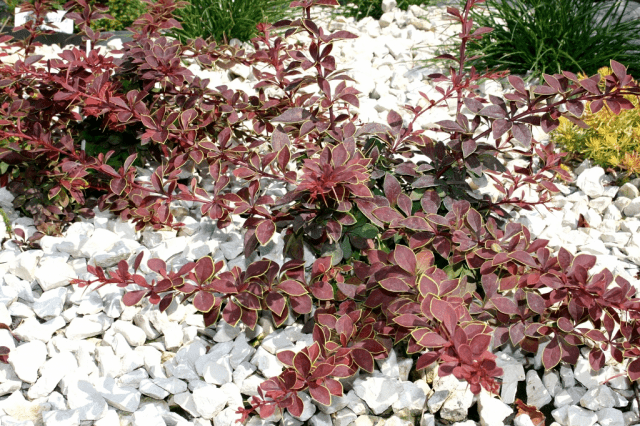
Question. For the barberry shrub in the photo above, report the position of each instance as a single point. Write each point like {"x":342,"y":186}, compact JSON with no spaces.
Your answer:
{"x":405,"y":252}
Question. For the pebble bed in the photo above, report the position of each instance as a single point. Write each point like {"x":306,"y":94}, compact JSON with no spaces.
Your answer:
{"x":84,"y":358}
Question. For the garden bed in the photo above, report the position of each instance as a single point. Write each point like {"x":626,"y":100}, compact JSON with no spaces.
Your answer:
{"x":128,"y":354}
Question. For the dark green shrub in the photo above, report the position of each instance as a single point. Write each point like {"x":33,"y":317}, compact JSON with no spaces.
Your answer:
{"x":227,"y":18}
{"x":577,"y":36}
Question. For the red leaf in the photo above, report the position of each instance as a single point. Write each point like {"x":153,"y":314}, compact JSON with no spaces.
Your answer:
{"x":428,"y":338}
{"x":231,"y":313}
{"x":322,"y":290}
{"x":118,"y":185}
{"x":265,"y":231}
{"x":596,"y":359}
{"x":551,"y":354}
{"x":524,"y":258}
{"x":286,"y":357}
{"x":517,"y":83}
{"x":522,"y":133}
{"x":405,"y":258}
{"x":618,"y":69}
{"x":320,"y":394}
{"x":292,"y":288}
{"x":296,"y":407}
{"x":363,"y":359}
{"x":391,"y":188}
{"x":157,"y":265}
{"x":293,"y":115}
{"x":480,"y":343}
{"x":394,"y":119}
{"x":203,"y":301}
{"x":204,"y":269}
{"x":493,"y":111}
{"x":248,"y":300}
{"x":590,"y":85}
{"x":426,"y":360}
{"x":394,"y":284}
{"x":564,"y":258}
{"x":302,"y":364}
{"x":301,"y":304}
{"x":267,"y":410}
{"x":536,"y":302}
{"x":387,"y":214}
{"x":633,"y":370}
{"x":276,"y":302}
{"x":133,"y":297}
{"x":334,"y":386}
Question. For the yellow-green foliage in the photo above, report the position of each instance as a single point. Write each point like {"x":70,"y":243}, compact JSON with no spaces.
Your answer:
{"x":610,"y":141}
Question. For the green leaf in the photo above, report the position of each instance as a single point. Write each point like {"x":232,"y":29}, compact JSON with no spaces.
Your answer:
{"x":347,"y":251}
{"x":366,"y":231}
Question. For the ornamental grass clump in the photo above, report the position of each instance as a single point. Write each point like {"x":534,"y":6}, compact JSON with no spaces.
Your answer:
{"x":404,"y":253}
{"x":548,"y":36}
{"x":226,"y":19}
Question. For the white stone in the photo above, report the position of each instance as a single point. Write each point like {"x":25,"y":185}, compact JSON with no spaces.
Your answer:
{"x":633,"y":209}
{"x":22,"y":287}
{"x":388,"y":5}
{"x":209,"y":401}
{"x":173,"y":336}
{"x":513,"y":373}
{"x":537,"y":394}
{"x":31,"y":329}
{"x":147,"y":387}
{"x":577,"y":416}
{"x":134,"y":334}
{"x":585,"y":375}
{"x":598,"y":398}
{"x":148,"y":415}
{"x":411,"y":400}
{"x":344,"y":417}
{"x":590,"y":181}
{"x":551,"y":381}
{"x":133,"y":378}
{"x":123,"y":398}
{"x":91,"y":304}
{"x":53,"y":273}
{"x":51,"y":373}
{"x":50,"y":304}
{"x":81,"y":328}
{"x":386,"y":19}
{"x":610,"y":417}
{"x":267,"y":363}
{"x":241,"y":351}
{"x":276,"y":342}
{"x":84,"y":398}
{"x":218,"y":371}
{"x":492,"y":410}
{"x":61,"y":418}
{"x":27,"y":359}
{"x":171,"y":385}
{"x":102,"y":240}
{"x":25,"y":265}
{"x":186,"y":402}
{"x":378,"y":392}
